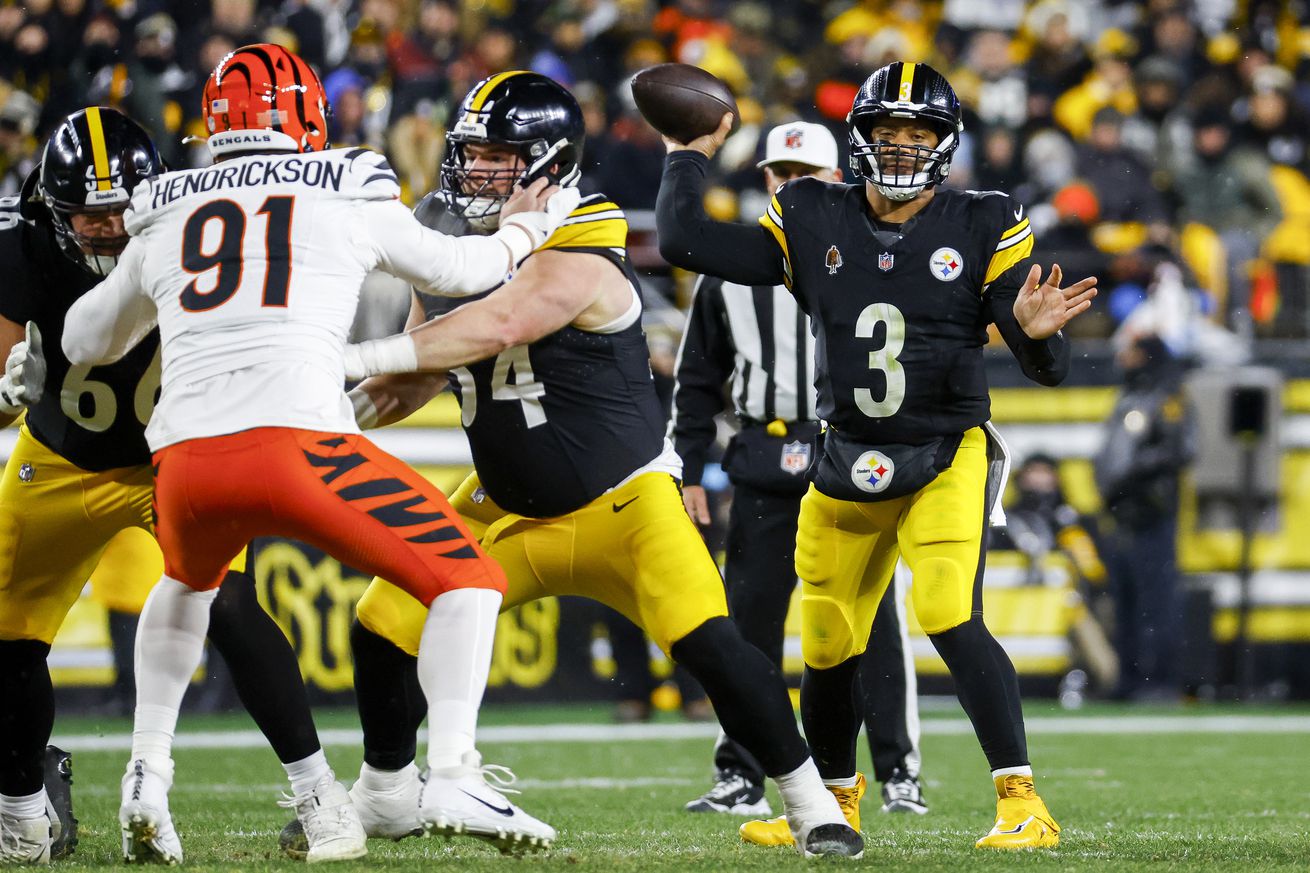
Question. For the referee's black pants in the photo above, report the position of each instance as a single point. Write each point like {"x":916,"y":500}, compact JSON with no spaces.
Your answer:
{"x":760,"y":572}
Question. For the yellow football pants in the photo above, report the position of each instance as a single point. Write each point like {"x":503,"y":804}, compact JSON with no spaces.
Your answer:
{"x":846,"y":553}
{"x":56,"y":520}
{"x":633,"y":549}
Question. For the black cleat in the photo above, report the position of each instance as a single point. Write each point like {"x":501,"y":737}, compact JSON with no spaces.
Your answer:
{"x":59,"y":802}
{"x":841,"y":840}
{"x":293,"y":842}
{"x":903,"y":793}
{"x":733,"y":794}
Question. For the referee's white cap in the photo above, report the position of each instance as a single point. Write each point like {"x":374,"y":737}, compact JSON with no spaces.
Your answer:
{"x":800,"y":142}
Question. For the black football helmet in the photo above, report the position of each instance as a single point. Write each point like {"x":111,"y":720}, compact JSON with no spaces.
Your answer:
{"x":904,"y":90}
{"x":91,"y":164}
{"x":536,"y":116}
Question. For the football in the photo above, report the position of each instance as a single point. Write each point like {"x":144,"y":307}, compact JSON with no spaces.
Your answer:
{"x":681,"y":101}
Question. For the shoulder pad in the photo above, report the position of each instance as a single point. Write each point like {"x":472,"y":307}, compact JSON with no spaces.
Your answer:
{"x":370,"y":175}
{"x":596,"y":222}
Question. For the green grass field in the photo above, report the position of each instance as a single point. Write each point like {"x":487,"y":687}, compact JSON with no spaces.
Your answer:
{"x":1197,"y":790}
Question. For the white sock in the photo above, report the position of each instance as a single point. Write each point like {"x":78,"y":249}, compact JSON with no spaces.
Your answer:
{"x":454,"y":658}
{"x":1012,"y":771}
{"x":386,"y":780}
{"x":803,"y":792}
{"x":848,"y":782}
{"x":170,"y":640}
{"x":24,"y":806}
{"x":308,"y":772}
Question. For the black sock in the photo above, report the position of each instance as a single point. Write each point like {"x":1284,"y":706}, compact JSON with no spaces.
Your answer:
{"x":831,"y":717}
{"x":748,"y":693}
{"x":988,"y":689}
{"x":263,"y":667}
{"x":27,"y":715}
{"x":390,"y":699}
{"x":122,"y":639}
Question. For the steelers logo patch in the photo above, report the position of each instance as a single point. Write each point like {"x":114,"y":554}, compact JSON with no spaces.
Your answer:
{"x":946,"y":264}
{"x":872,"y":472}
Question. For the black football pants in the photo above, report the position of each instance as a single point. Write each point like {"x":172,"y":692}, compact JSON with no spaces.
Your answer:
{"x":760,"y":572}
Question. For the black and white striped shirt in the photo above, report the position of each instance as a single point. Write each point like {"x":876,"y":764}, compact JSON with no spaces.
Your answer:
{"x":756,"y":341}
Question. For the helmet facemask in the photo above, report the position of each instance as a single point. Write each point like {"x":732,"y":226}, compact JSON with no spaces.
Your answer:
{"x":478,"y":195}
{"x":96,"y":254}
{"x":900,"y":172}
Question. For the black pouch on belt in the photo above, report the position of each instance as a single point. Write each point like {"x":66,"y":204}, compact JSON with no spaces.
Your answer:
{"x":849,"y":470}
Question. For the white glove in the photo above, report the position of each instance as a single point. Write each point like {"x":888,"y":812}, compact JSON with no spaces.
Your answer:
{"x":23,"y":383}
{"x":393,"y":354}
{"x":538,"y":226}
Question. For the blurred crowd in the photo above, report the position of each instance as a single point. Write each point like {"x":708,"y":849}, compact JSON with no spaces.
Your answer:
{"x":1162,"y":145}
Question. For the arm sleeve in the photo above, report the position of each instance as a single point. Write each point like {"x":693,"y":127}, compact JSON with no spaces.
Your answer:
{"x":746,"y":254}
{"x":433,"y":262}
{"x":705,"y":362}
{"x":109,"y":321}
{"x":1044,"y":361}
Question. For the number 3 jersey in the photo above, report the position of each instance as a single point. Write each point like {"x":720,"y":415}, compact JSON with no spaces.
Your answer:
{"x":93,"y":417}
{"x":252,"y":268}
{"x":900,"y":315}
{"x":556,"y":423}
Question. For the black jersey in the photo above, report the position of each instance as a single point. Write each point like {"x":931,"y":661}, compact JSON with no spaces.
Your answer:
{"x":94,"y":417}
{"x":900,"y":315}
{"x":556,"y":423}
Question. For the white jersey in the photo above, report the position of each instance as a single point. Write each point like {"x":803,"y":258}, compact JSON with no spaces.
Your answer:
{"x":252,"y":269}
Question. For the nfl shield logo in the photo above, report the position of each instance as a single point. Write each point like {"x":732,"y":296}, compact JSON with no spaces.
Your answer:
{"x":793,"y":138}
{"x":26,"y":472}
{"x":795,"y":457}
{"x":885,"y":261}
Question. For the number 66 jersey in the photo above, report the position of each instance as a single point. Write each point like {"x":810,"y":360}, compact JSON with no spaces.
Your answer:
{"x":252,"y":269}
{"x":93,"y":417}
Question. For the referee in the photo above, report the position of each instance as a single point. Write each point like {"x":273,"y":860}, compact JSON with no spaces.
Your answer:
{"x":756,"y":343}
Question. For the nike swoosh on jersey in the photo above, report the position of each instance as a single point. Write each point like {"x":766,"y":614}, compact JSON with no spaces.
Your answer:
{"x":619,"y":507}
{"x":507,"y":811}
{"x":1018,"y":213}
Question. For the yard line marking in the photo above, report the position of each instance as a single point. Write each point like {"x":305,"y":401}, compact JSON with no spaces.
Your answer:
{"x":593,"y":733}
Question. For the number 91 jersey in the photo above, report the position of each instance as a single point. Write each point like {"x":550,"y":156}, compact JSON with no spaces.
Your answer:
{"x":93,"y":417}
{"x":554,"y":424}
{"x":899,"y":315}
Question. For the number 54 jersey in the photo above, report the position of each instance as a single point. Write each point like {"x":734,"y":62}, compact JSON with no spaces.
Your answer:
{"x":900,"y":315}
{"x":93,"y":417}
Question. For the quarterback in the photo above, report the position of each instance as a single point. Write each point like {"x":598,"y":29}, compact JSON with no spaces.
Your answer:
{"x":575,"y":489}
{"x":901,"y":279}
{"x":251,"y":268}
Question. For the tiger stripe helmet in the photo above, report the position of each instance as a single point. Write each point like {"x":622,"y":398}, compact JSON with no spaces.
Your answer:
{"x":264,"y":98}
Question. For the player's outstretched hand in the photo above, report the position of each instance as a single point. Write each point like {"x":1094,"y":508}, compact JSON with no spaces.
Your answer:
{"x":23,"y":383}
{"x":698,"y":505}
{"x":539,"y":209}
{"x":708,"y":144}
{"x":1044,"y":308}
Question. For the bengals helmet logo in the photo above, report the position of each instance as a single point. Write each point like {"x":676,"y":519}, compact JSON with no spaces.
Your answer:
{"x":833,"y":261}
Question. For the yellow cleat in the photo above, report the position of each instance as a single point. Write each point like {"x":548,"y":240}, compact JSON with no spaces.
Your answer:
{"x":1022,"y":820}
{"x":776,"y":831}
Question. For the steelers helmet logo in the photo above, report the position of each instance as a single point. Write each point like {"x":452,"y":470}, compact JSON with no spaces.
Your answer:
{"x":946,"y":264}
{"x":872,"y":472}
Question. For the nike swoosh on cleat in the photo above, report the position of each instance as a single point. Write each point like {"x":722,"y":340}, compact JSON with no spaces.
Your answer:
{"x":507,"y":811}
{"x":619,"y":507}
{"x":1020,"y":826}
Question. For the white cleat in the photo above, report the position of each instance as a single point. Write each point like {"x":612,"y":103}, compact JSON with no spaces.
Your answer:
{"x":390,"y":813}
{"x":148,"y":835}
{"x":24,"y":841}
{"x":460,"y":801}
{"x":331,"y":824}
